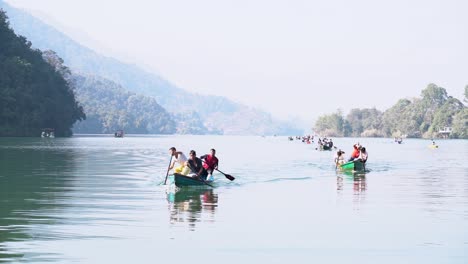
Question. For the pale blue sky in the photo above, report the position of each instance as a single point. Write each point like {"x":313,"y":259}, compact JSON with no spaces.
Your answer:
{"x":291,"y":57}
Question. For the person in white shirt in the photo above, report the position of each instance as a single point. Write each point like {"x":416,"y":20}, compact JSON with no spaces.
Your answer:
{"x":339,"y":158}
{"x":363,"y":155}
{"x":177,"y":157}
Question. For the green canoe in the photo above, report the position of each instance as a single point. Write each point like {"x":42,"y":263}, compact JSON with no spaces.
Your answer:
{"x":356,"y":165}
{"x":181,"y":180}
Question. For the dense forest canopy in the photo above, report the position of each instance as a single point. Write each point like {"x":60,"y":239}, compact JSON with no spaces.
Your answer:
{"x":424,"y":117}
{"x":109,"y":107}
{"x":33,"y":94}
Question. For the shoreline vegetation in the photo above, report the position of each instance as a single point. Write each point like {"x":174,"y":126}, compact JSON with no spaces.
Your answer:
{"x":434,"y":114}
{"x":33,"y":94}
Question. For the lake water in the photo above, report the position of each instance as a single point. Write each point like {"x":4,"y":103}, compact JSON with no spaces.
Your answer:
{"x":100,"y":199}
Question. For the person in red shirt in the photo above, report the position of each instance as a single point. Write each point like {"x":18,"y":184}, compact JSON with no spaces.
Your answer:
{"x":210,"y":162}
{"x":355,"y":154}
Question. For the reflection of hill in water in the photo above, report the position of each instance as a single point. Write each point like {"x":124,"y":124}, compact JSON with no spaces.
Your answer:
{"x":32,"y":184}
{"x":191,"y":205}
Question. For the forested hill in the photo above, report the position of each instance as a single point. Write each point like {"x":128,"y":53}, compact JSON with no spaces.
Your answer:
{"x":420,"y":117}
{"x":213,"y":114}
{"x":33,"y":95}
{"x":109,"y":107}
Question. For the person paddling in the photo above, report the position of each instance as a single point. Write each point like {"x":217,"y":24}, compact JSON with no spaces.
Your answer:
{"x":177,"y":157}
{"x":339,"y":158}
{"x":355,"y":154}
{"x":195,"y":166}
{"x":210,"y":162}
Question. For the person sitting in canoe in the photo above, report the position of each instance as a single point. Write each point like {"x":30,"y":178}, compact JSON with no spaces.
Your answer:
{"x":210,"y":162}
{"x":355,"y":154}
{"x":339,"y":158}
{"x":177,"y":157}
{"x":196,"y":167}
{"x":363,"y":155}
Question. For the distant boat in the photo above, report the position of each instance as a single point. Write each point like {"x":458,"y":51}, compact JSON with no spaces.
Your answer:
{"x":433,"y":146}
{"x":48,"y":133}
{"x":119,"y":134}
{"x":326,"y":146}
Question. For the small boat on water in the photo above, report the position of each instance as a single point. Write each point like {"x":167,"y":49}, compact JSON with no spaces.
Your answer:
{"x":433,"y":146}
{"x":326,"y":147}
{"x":355,"y":165}
{"x":48,"y":133}
{"x":119,"y":134}
{"x":181,"y":180}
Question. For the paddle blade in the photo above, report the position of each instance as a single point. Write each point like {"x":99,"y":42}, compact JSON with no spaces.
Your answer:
{"x":229,"y":177}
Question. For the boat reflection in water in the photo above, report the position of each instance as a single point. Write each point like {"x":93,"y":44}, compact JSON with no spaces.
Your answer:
{"x":358,"y":177}
{"x":359,"y":186}
{"x":192,"y":205}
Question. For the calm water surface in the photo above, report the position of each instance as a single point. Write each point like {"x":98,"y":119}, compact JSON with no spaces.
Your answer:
{"x":100,"y":200}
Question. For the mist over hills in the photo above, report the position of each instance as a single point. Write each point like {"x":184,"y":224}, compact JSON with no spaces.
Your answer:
{"x":192,"y":113}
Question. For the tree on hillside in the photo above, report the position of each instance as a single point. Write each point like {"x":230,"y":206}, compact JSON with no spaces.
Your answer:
{"x":444,"y":115}
{"x":110,"y":107}
{"x":392,"y":119}
{"x":367,"y":121}
{"x":53,"y":59}
{"x":433,"y":97}
{"x":460,"y":124}
{"x":332,"y":125}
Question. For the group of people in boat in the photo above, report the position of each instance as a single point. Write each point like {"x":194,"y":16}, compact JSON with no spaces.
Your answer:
{"x":119,"y":133}
{"x":359,"y":153}
{"x":193,"y":166}
{"x":48,"y":133}
{"x":325,"y":143}
{"x":306,"y":139}
{"x":398,"y":140}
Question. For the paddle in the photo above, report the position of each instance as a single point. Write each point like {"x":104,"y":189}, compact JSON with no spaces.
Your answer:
{"x":168,"y":170}
{"x":229,"y":177}
{"x":199,"y":177}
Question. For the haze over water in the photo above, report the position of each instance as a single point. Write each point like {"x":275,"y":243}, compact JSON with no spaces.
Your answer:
{"x":100,"y":199}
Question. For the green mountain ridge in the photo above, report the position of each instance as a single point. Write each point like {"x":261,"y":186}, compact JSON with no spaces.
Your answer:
{"x":109,"y":107}
{"x":33,"y":95}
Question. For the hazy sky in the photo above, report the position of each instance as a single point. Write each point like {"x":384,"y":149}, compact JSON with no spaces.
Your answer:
{"x":289,"y":57}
